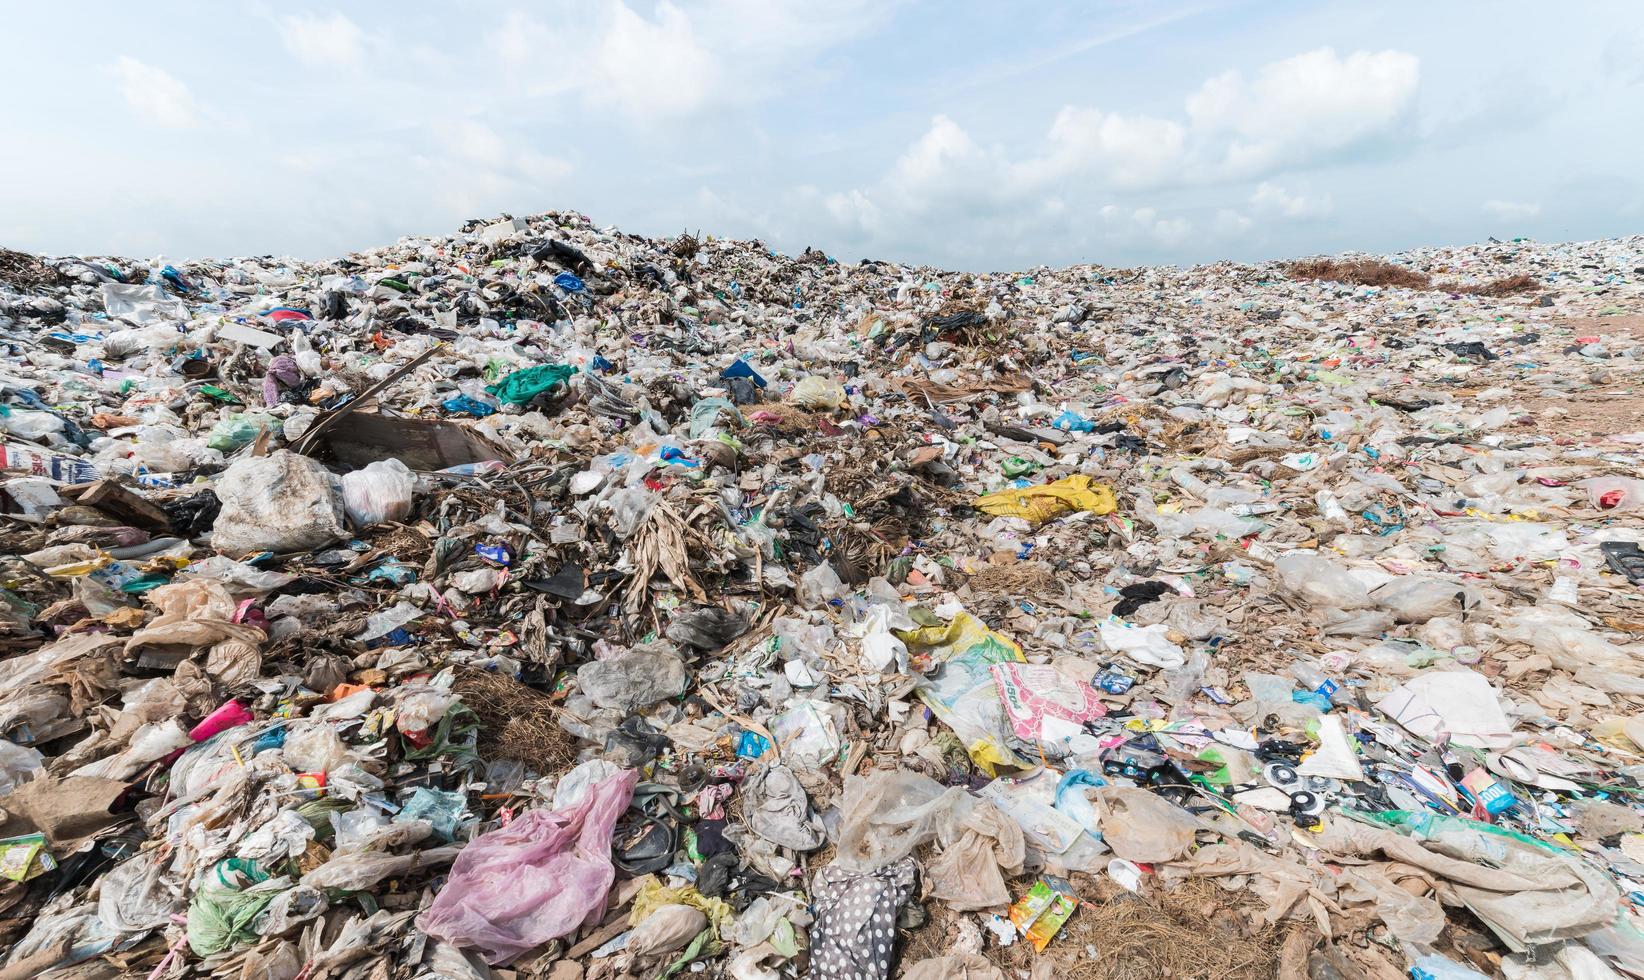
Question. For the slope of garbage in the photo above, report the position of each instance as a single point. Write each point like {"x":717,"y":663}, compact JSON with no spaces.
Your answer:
{"x":547,"y":601}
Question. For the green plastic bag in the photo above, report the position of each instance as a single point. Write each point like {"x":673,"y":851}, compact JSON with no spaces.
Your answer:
{"x":524,"y":385}
{"x":222,"y":912}
{"x":239,"y":429}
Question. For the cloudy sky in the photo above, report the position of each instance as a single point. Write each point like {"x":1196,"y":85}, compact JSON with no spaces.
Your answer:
{"x":959,"y":133}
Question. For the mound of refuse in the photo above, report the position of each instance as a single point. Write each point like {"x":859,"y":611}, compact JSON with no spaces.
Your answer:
{"x":547,"y":601}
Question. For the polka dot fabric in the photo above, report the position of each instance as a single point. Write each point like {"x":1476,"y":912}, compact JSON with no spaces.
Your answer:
{"x":855,"y":932}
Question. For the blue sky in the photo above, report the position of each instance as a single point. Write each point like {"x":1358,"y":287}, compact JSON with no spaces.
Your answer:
{"x":962,"y":134}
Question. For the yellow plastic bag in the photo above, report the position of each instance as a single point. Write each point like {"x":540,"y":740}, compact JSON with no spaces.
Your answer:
{"x":1069,"y":495}
{"x":819,"y":394}
{"x":653,"y":894}
{"x":963,"y":695}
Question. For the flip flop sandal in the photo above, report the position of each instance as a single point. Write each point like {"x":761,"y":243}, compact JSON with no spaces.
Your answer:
{"x":1624,"y":558}
{"x":644,"y":845}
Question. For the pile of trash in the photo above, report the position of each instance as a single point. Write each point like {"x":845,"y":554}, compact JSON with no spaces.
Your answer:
{"x":546,"y":601}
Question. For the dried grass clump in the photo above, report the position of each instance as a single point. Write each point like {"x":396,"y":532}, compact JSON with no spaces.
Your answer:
{"x":1361,"y":272}
{"x":1505,"y":286}
{"x":25,"y":271}
{"x":789,"y":422}
{"x":516,"y":722}
{"x":662,"y":543}
{"x":1193,"y":930}
{"x":1177,"y":435}
{"x":1023,"y":578}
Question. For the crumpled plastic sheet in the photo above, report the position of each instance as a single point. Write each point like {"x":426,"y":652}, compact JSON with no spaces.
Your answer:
{"x":536,"y":879}
{"x":888,"y":814}
{"x":281,"y":502}
{"x":1527,"y":892}
{"x":778,"y":810}
{"x":1142,"y":827}
{"x":222,"y":915}
{"x":963,"y":694}
{"x":666,"y":929}
{"x":134,"y":897}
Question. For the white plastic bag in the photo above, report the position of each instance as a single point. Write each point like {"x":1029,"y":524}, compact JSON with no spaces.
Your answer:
{"x":18,"y":764}
{"x":140,"y":302}
{"x":378,"y":493}
{"x":1144,"y":644}
{"x":818,"y":586}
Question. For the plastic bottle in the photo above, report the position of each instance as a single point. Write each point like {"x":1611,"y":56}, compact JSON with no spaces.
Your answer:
{"x":1315,"y":681}
{"x":1331,"y":509}
{"x":1191,"y":484}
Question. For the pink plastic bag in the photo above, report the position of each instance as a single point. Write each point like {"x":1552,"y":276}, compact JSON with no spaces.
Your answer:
{"x":537,"y":879}
{"x":231,"y":715}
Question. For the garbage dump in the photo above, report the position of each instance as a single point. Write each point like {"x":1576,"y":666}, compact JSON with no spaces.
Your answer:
{"x":547,"y":601}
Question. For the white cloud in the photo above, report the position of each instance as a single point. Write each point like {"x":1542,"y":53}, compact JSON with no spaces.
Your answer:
{"x":1275,"y":201}
{"x":541,"y":167}
{"x":1235,"y":128}
{"x":1292,"y":112}
{"x":1305,"y":107}
{"x":1124,"y":151}
{"x":472,"y":140}
{"x":155,"y":93}
{"x":327,"y":40}
{"x":1144,"y":223}
{"x":854,"y":211}
{"x":1230,"y":223}
{"x":1172,"y":231}
{"x":945,"y":151}
{"x":652,"y":68}
{"x":676,"y":61}
{"x":1511,"y":210}
{"x":520,"y":39}
{"x":498,"y":159}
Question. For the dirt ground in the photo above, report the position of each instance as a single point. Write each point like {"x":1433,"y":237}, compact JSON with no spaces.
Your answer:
{"x":1629,"y":325}
{"x":1602,"y":409}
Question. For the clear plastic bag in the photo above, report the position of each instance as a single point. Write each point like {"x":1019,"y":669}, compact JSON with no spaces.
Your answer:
{"x":1616,"y":493}
{"x":630,"y":506}
{"x":819,"y":394}
{"x":1566,"y":638}
{"x":1318,"y":581}
{"x":311,"y":747}
{"x":33,"y":426}
{"x":134,"y":897}
{"x":1142,"y":827}
{"x":818,"y":586}
{"x":239,"y":429}
{"x":890,"y":813}
{"x":357,"y":871}
{"x":352,"y":830}
{"x":1415,"y":600}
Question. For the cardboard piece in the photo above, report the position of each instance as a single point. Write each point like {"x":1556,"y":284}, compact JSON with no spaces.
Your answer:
{"x":117,"y":501}
{"x":361,"y":438}
{"x":67,"y":810}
